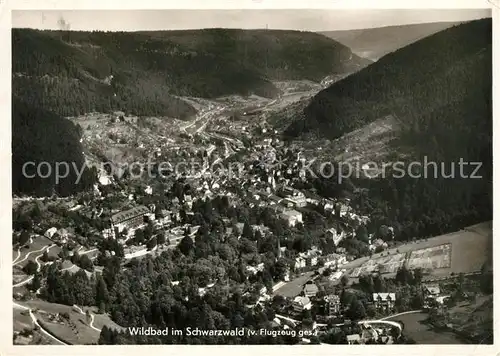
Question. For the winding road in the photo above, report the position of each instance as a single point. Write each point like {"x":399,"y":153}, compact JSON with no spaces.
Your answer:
{"x":39,"y":265}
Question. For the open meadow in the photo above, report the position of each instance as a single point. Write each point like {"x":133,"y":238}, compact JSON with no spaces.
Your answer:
{"x":464,"y":251}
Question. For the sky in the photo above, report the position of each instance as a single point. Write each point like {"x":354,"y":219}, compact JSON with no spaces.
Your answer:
{"x":306,"y":20}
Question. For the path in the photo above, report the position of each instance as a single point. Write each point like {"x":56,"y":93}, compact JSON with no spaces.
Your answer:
{"x":377,"y":321}
{"x":91,"y":324}
{"x":38,"y":268}
{"x":29,"y":253}
{"x":35,"y":321}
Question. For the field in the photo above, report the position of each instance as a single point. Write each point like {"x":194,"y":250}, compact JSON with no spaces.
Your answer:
{"x":30,"y":252}
{"x":464,"y":251}
{"x":76,"y":330}
{"x":387,"y":264}
{"x":431,"y":257}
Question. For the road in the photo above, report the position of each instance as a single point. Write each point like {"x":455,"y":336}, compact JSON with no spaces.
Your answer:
{"x":295,"y":286}
{"x":35,"y":321}
{"x":129,"y":256}
{"x":362,"y":322}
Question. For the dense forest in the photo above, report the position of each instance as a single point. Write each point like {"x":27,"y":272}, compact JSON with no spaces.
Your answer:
{"x":42,"y":139}
{"x":143,"y":73}
{"x":439,"y":88}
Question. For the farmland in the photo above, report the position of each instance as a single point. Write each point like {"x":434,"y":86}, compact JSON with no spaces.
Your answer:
{"x":463,"y":251}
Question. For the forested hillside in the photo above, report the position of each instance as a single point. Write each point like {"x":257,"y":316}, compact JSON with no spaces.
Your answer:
{"x":145,"y":72}
{"x":439,"y":88}
{"x":41,"y":139}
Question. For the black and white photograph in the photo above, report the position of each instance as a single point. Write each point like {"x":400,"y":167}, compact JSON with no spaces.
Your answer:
{"x":251,"y":177}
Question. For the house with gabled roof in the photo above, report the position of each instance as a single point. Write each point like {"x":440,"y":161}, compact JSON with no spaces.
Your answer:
{"x":384,"y":301}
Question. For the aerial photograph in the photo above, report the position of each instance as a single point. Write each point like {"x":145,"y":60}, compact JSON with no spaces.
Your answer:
{"x":243,"y":177}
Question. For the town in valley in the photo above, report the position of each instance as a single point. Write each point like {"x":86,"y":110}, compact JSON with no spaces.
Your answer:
{"x":213,"y":197}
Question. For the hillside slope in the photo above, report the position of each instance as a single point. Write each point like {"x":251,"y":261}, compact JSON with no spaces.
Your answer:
{"x":444,"y":71}
{"x":145,"y":72}
{"x":439,"y":92}
{"x":42,"y":139}
{"x":374,"y":43}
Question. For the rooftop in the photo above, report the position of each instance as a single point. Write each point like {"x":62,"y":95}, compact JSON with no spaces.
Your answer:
{"x":384,"y":296}
{"x":129,"y":214}
{"x":302,"y":300}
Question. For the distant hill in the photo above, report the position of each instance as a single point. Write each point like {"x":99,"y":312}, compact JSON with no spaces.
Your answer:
{"x":144,"y":73}
{"x":448,"y":73}
{"x":373,"y":43}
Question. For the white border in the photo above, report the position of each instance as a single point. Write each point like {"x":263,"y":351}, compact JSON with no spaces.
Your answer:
{"x":6,"y":347}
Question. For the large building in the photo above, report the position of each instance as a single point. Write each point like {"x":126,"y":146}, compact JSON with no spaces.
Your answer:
{"x":129,"y":219}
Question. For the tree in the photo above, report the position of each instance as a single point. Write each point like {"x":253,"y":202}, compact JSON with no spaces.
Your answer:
{"x":247,"y":231}
{"x":86,"y":263}
{"x":24,"y":238}
{"x":151,"y":244}
{"x":160,"y":239}
{"x":344,"y":281}
{"x":186,"y":245}
{"x":36,"y":283}
{"x":356,"y":310}
{"x":362,"y":233}
{"x":30,"y":268}
{"x":139,"y":236}
{"x":101,"y":293}
{"x":75,"y":258}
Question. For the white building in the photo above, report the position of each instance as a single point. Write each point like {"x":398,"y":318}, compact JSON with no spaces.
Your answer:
{"x":292,"y":217}
{"x":336,"y":235}
{"x":301,"y":303}
{"x":50,"y":232}
{"x":300,"y":262}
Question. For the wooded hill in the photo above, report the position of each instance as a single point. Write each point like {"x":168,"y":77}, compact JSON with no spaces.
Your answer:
{"x":439,"y":89}
{"x":70,"y":72}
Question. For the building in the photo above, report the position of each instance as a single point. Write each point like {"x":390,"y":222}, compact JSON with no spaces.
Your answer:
{"x":335,"y":234}
{"x":334,"y":260}
{"x":332,"y":305}
{"x":432,"y":294}
{"x":61,"y":235}
{"x":353,"y":339}
{"x":255,"y":269}
{"x":300,"y":262}
{"x":129,"y":219}
{"x":108,"y":233}
{"x":292,"y":217}
{"x":431,"y":290}
{"x":310,"y":290}
{"x":301,"y":303}
{"x":50,"y":232}
{"x":384,"y":300}
{"x":342,"y":209}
